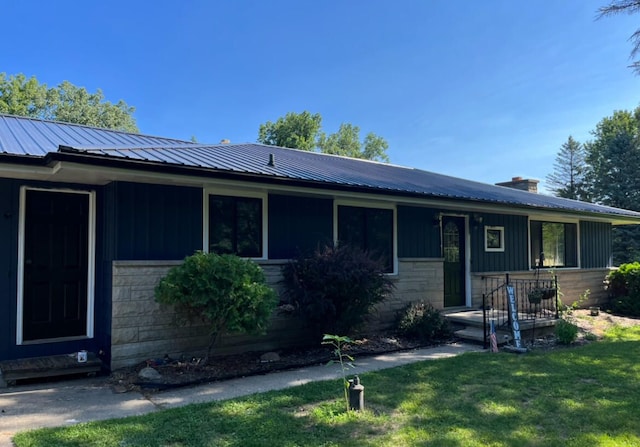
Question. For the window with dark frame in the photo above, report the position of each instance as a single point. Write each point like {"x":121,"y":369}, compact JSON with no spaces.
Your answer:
{"x":235,"y":226}
{"x":554,"y":244}
{"x":370,"y":229}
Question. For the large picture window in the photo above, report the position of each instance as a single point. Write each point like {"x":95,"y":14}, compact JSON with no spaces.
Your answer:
{"x":554,"y":244}
{"x":370,"y":229}
{"x":235,"y":226}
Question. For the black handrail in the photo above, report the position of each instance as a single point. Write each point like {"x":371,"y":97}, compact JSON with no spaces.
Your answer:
{"x":535,"y":298}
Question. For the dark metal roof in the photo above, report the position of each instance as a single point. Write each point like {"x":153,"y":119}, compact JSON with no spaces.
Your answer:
{"x":348,"y":172}
{"x":28,"y":136}
{"x":34,"y":137}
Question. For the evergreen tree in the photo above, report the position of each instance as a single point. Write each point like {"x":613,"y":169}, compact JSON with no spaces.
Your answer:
{"x":569,"y":172}
{"x":625,"y":7}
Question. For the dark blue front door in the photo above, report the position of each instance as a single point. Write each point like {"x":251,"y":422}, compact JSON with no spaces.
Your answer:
{"x":55,"y":265}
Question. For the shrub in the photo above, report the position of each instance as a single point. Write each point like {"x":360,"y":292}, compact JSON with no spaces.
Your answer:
{"x":624,"y":289}
{"x":226,"y":292}
{"x":566,"y":331}
{"x":335,"y":289}
{"x":626,"y":305}
{"x":624,"y":281}
{"x":422,"y":321}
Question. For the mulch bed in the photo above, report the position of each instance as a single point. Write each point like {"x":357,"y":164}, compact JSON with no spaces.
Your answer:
{"x":179,"y":373}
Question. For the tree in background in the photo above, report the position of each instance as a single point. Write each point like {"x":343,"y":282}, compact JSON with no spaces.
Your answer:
{"x":569,"y":172}
{"x":346,"y":142}
{"x":614,"y":160}
{"x":66,"y":102}
{"x":625,"y":7}
{"x":294,"y":130}
{"x":613,"y":157}
{"x":303,"y":131}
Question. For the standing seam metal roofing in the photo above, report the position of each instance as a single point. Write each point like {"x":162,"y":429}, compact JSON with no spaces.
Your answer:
{"x":32,"y":137}
{"x":349,"y":172}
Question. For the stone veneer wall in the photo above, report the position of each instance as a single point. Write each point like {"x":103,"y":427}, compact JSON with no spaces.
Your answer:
{"x":142,"y":329}
{"x":571,"y":282}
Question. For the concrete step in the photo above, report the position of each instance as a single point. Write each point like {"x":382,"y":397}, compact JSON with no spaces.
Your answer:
{"x":476,"y":334}
{"x":48,"y":366}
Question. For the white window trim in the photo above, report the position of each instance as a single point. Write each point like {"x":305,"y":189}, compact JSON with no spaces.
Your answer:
{"x":377,"y":205}
{"x":91,"y":230}
{"x":486,"y":239}
{"x":237,"y":193}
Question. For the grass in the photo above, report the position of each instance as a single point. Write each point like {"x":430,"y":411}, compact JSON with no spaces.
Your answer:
{"x":569,"y":397}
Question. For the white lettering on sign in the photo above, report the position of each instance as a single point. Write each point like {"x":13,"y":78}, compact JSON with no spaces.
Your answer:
{"x":513,"y":312}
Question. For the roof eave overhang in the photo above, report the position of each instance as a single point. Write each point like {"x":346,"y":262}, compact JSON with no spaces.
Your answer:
{"x":67,"y":164}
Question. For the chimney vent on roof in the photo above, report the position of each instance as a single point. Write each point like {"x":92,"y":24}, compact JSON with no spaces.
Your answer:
{"x":272,"y":160}
{"x":225,"y":141}
{"x":528,"y":185}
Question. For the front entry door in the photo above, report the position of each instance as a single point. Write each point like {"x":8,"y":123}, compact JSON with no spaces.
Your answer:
{"x":453,"y":247}
{"x":56,"y":259}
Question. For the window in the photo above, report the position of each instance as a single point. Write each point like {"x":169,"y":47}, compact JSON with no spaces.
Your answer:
{"x":235,"y":226}
{"x":554,"y":244}
{"x":370,"y":229}
{"x":493,"y":238}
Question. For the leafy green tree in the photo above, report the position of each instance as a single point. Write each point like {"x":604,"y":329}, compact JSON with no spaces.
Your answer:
{"x":294,"y":130}
{"x":347,"y":142}
{"x":303,"y":131}
{"x":24,"y":97}
{"x":625,"y":7}
{"x":614,"y":159}
{"x":569,"y":172}
{"x":68,"y":103}
{"x":614,"y":162}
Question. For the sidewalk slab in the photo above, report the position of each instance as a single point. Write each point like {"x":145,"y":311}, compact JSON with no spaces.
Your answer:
{"x":83,"y":400}
{"x":285,"y":379}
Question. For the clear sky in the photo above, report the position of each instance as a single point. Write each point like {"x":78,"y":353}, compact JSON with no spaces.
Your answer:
{"x":484,"y":90}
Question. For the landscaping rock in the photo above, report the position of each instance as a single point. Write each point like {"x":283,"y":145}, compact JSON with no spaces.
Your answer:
{"x":268,"y":357}
{"x":149,"y":374}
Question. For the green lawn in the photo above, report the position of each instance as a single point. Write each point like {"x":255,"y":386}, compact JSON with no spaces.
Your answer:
{"x":586,"y":396}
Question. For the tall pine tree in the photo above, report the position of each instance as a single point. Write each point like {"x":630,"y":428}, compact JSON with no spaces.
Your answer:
{"x":569,"y":172}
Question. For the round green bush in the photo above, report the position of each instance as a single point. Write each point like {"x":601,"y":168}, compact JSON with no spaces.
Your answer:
{"x":224,"y":291}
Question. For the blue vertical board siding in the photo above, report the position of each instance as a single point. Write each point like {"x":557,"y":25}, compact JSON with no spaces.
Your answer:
{"x":515,"y":256}
{"x":157,"y":222}
{"x":298,"y":225}
{"x":418,"y":232}
{"x":595,"y":244}
{"x":8,"y":265}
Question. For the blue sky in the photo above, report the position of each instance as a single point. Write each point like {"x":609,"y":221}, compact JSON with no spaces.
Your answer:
{"x":480,"y":90}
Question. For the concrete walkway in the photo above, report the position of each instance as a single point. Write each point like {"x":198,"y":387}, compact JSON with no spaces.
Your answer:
{"x":71,"y":402}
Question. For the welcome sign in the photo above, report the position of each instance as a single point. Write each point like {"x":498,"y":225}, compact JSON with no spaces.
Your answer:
{"x":513,"y":313}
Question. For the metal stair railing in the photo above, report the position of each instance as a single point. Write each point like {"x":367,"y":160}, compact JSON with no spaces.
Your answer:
{"x":535,"y":299}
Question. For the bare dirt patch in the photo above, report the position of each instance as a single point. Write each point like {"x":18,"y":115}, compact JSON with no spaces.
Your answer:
{"x":598,"y":325}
